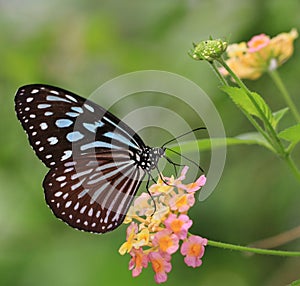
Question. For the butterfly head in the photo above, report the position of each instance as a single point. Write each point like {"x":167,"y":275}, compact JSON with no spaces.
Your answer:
{"x":149,"y":157}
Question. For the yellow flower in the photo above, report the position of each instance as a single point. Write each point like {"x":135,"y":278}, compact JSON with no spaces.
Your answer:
{"x":142,"y":238}
{"x":130,"y":239}
{"x":282,"y":46}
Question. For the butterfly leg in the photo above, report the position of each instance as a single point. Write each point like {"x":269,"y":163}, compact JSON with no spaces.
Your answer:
{"x":147,"y":187}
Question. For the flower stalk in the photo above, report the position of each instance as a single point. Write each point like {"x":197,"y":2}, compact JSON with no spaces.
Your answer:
{"x":253,"y":250}
{"x":284,"y":92}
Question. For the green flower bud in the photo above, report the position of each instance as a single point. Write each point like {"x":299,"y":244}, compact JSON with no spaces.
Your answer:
{"x":209,"y":50}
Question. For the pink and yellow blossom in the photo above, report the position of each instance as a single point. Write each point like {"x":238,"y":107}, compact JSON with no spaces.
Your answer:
{"x":166,"y":241}
{"x":161,"y":267}
{"x":159,"y":223}
{"x":138,"y":261}
{"x":258,"y":42}
{"x":182,"y":202}
{"x":261,"y":54}
{"x":178,"y":225}
{"x":193,"y":249}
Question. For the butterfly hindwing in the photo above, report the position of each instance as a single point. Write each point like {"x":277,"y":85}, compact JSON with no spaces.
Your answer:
{"x":92,"y":195}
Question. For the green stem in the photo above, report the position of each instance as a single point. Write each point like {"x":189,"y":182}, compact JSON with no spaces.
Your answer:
{"x":220,"y":76}
{"x":293,"y":166}
{"x":276,"y":141}
{"x":254,"y":123}
{"x":280,"y":85}
{"x":253,"y":250}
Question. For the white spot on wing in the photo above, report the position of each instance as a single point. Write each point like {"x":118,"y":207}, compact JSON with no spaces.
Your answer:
{"x":54,"y":92}
{"x":68,"y":203}
{"x":48,"y":113}
{"x":76,"y":206}
{"x":83,"y":209}
{"x":58,"y":194}
{"x":60,"y":178}
{"x":52,"y":140}
{"x":71,"y":97}
{"x":44,"y":125}
{"x":29,"y":99}
{"x":34,"y":91}
{"x":67,"y":155}
{"x":88,"y":107}
{"x":90,"y":213}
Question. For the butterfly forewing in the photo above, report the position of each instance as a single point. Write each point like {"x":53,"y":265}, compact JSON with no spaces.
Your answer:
{"x":94,"y":173}
{"x":60,"y":123}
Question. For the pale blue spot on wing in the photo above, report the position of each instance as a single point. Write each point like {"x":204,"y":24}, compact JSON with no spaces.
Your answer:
{"x":120,"y":128}
{"x":93,"y":126}
{"x":56,"y":98}
{"x":82,"y":193}
{"x":63,"y":123}
{"x":77,"y":109}
{"x":74,"y":136}
{"x":121,"y":139}
{"x":99,"y":144}
{"x":72,"y":114}
{"x":42,"y":105}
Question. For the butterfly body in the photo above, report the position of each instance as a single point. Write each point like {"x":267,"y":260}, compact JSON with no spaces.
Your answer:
{"x":96,"y":161}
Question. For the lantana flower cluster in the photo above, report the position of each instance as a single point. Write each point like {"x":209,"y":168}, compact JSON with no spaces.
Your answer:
{"x":261,"y":54}
{"x":159,"y":227}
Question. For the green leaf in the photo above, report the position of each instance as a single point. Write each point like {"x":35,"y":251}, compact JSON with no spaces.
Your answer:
{"x":295,"y":283}
{"x":279,"y":114}
{"x":241,"y":99}
{"x":291,"y":134}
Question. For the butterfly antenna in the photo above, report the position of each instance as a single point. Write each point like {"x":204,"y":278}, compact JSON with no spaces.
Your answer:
{"x":184,"y":134}
{"x":186,"y":158}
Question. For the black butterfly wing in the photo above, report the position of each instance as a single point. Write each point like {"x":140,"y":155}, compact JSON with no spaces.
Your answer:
{"x":60,"y":124}
{"x":89,"y":151}
{"x":93,"y":195}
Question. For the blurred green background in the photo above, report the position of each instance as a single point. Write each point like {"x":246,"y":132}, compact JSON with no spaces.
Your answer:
{"x":79,"y":45}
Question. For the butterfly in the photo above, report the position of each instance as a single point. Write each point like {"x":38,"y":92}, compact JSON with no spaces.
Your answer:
{"x":96,"y":161}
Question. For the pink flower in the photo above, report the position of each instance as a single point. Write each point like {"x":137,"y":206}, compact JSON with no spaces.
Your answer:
{"x":193,"y":187}
{"x":193,"y":249}
{"x":138,"y":261}
{"x":258,"y":42}
{"x":182,"y":202}
{"x":166,"y":241}
{"x":179,"y":225}
{"x":161,"y":266}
